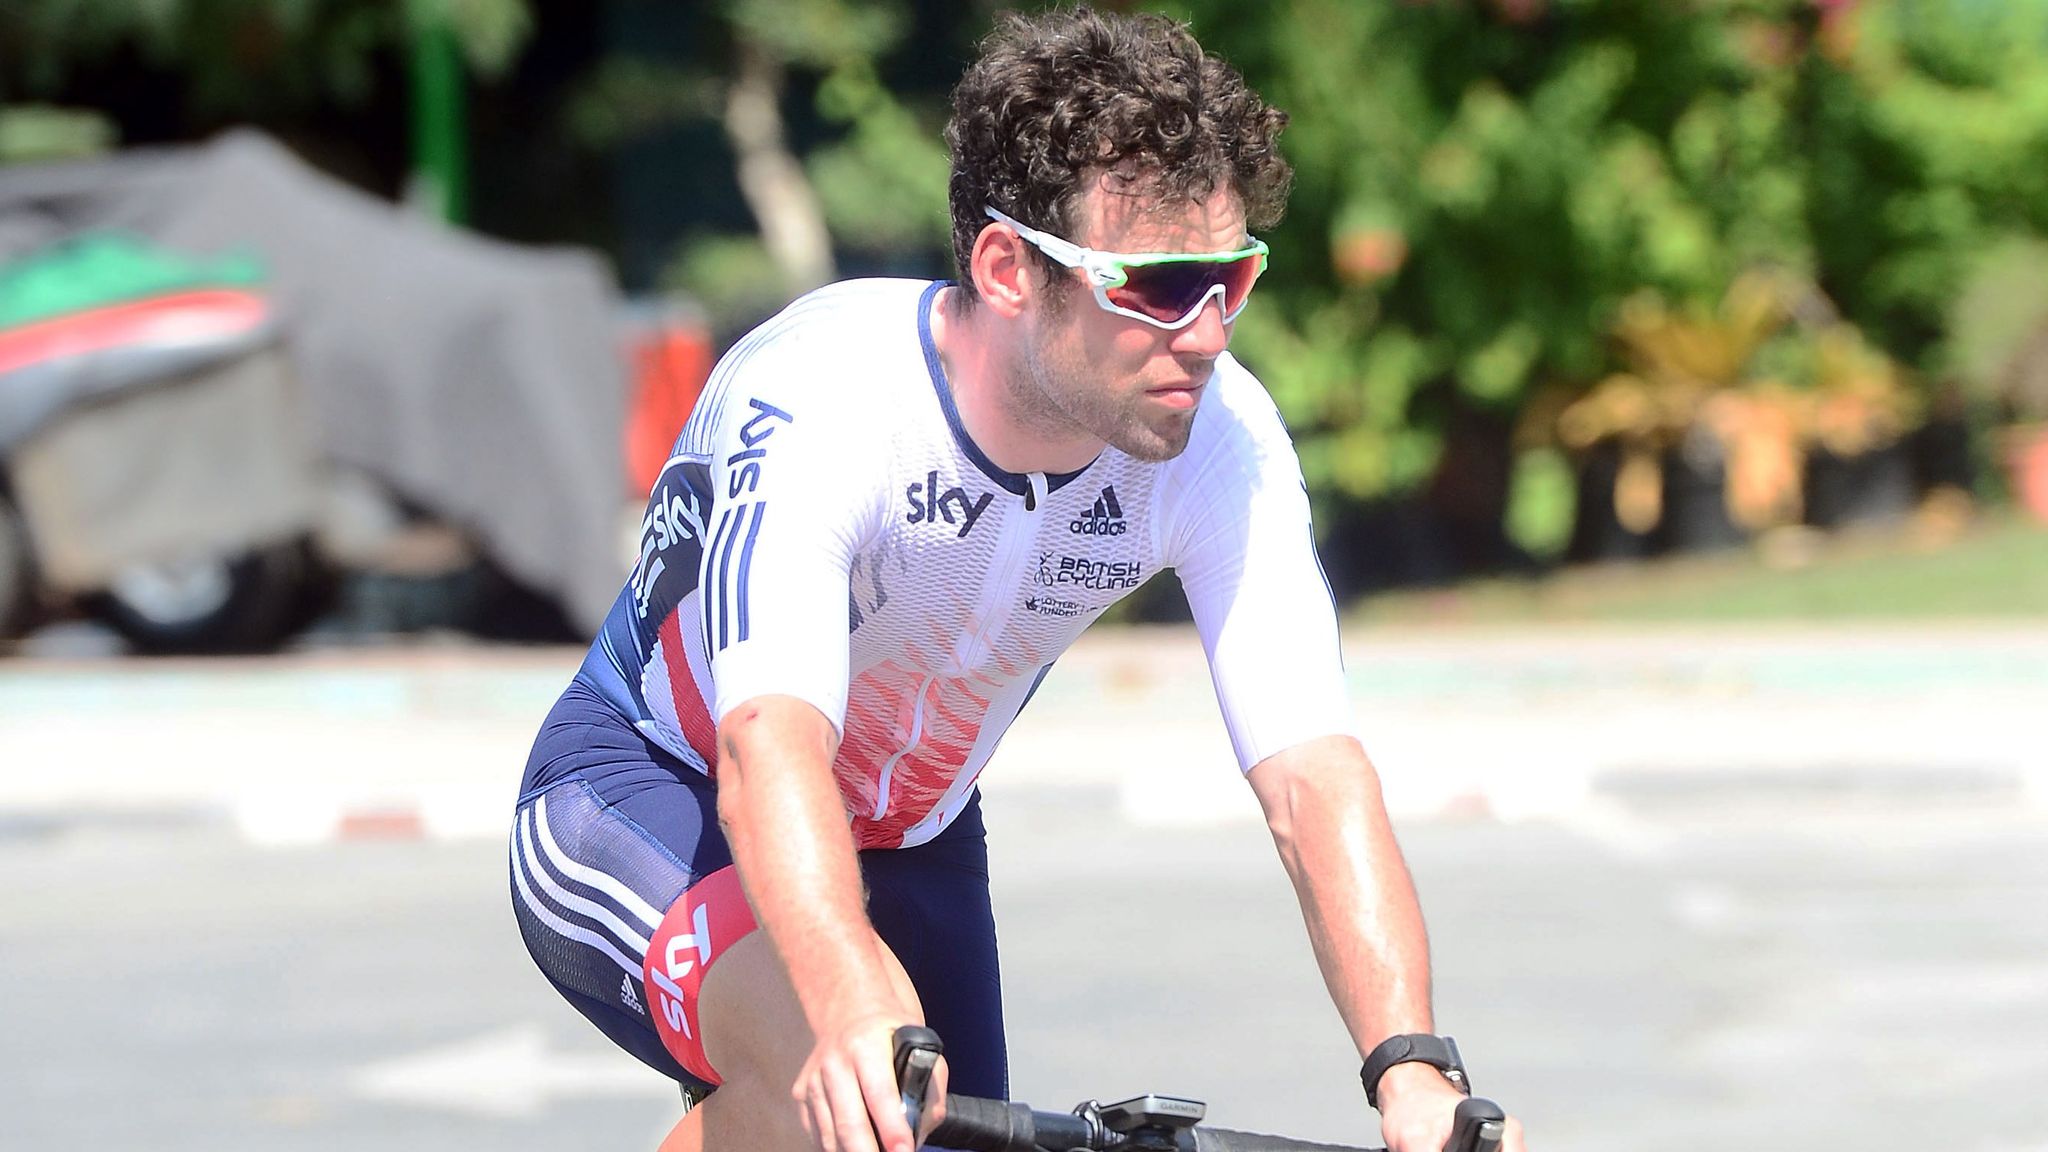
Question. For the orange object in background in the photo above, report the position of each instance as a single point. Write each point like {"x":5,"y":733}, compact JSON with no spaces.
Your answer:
{"x":670,"y":357}
{"x":2026,"y":455}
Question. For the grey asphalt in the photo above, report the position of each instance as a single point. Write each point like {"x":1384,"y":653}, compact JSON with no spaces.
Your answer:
{"x":1694,"y":889}
{"x":1713,"y":978}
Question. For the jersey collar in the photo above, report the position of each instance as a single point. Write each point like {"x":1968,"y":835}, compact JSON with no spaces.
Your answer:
{"x":1015,"y":483}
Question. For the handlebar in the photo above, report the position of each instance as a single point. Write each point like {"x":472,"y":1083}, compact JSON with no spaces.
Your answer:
{"x":979,"y":1125}
{"x":975,"y":1124}
{"x":1148,"y":1123}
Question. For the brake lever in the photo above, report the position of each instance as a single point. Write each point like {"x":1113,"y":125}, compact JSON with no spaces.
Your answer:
{"x":917,"y":1055}
{"x":1477,"y":1127}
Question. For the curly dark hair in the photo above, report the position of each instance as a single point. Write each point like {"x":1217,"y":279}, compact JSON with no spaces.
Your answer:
{"x":1056,"y":97}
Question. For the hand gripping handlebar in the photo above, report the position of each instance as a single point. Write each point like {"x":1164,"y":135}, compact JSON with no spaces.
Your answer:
{"x":1147,"y":1123}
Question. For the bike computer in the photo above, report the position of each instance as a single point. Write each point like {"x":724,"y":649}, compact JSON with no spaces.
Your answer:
{"x":1152,"y":1111}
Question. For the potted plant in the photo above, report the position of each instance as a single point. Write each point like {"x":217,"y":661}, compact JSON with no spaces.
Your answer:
{"x":1766,"y":411}
{"x":1668,"y":447}
{"x":1858,"y":412}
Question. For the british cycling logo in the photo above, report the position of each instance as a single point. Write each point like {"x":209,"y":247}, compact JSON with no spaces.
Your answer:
{"x":1053,"y":606}
{"x":937,"y":505}
{"x":1081,"y":572}
{"x":1105,"y":519}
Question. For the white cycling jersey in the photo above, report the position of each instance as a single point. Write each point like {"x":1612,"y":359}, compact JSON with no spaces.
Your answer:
{"x":825,"y":529}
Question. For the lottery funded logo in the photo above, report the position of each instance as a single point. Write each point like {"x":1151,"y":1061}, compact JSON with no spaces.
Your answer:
{"x":1046,"y":604}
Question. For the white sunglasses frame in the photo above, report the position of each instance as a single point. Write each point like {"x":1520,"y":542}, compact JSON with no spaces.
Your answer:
{"x":1105,"y":270}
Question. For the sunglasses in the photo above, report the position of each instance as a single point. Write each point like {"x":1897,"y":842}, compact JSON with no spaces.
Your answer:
{"x":1164,"y":289}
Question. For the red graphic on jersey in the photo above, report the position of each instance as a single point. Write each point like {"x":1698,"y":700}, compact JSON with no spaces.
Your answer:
{"x":703,"y":923}
{"x":692,"y":715}
{"x":905,"y":719}
{"x":922,"y":754}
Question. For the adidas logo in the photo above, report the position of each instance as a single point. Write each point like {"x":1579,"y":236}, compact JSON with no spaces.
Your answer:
{"x":631,"y":998}
{"x":1105,"y":519}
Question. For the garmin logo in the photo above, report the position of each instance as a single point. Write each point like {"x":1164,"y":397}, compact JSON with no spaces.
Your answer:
{"x":1105,"y":519}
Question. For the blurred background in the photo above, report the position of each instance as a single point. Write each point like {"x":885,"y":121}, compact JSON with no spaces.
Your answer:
{"x":1562,"y":284}
{"x":1671,"y":382}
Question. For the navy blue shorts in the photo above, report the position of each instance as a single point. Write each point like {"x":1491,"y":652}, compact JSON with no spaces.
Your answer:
{"x":611,"y":831}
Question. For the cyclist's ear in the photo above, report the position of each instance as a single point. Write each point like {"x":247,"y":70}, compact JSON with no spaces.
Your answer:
{"x":1003,"y":272}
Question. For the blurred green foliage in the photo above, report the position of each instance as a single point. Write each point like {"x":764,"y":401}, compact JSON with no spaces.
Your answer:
{"x":1481,"y":184}
{"x":884,"y":184}
{"x":1997,"y":337}
{"x":239,"y":58}
{"x":37,"y":132}
{"x":874,"y":175}
{"x":1478,"y":189}
{"x":1930,"y":150}
{"x":881,"y":176}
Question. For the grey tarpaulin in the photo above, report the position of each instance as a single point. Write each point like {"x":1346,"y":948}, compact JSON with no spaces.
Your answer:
{"x":478,"y":379}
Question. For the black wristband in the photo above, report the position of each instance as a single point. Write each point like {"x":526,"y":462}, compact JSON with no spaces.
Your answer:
{"x":1439,"y":1052}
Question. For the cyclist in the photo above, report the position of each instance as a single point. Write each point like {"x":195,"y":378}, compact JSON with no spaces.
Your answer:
{"x":895,"y":504}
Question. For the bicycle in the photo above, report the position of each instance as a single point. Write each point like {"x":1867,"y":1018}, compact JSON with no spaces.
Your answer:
{"x":1150,"y":1123}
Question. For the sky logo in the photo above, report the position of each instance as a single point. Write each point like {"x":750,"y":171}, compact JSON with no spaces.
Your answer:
{"x":953,"y":505}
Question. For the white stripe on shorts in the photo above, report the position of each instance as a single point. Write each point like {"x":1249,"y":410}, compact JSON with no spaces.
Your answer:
{"x":563,"y":927}
{"x":627,"y":899}
{"x":574,"y":903}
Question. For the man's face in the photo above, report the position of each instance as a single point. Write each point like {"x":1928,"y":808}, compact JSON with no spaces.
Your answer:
{"x":1119,"y":380}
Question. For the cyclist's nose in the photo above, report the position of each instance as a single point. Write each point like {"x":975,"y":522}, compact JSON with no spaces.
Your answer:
{"x":1208,"y":335}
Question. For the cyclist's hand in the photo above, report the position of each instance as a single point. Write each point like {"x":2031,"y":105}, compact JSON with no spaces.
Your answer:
{"x":847,"y":1093}
{"x":1417,"y":1107}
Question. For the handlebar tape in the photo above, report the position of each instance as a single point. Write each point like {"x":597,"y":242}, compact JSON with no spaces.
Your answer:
{"x":973,"y":1124}
{"x":1202,"y":1139}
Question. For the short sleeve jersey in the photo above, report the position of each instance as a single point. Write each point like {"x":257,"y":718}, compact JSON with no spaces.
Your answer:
{"x":826,"y":529}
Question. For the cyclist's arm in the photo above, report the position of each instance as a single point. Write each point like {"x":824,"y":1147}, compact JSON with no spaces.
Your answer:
{"x":797,"y":488}
{"x":1235,"y":517}
{"x":786,"y":822}
{"x":1322,"y":803}
{"x":1242,"y":543}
